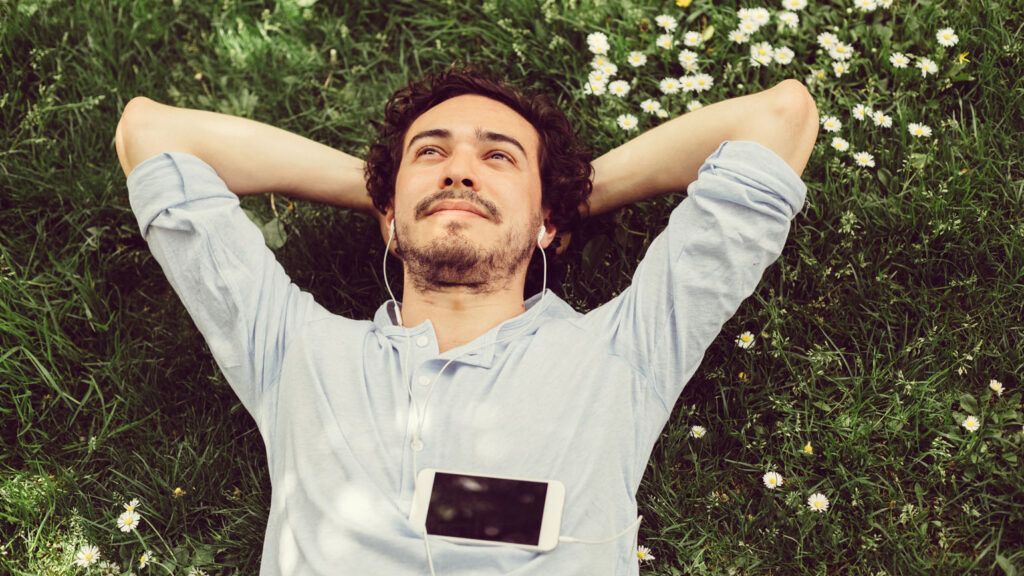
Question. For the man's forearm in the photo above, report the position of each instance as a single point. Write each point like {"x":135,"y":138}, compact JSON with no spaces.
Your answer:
{"x":251,"y":157}
{"x":666,"y":158}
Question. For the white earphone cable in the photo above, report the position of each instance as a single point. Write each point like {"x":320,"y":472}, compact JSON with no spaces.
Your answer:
{"x":416,"y":442}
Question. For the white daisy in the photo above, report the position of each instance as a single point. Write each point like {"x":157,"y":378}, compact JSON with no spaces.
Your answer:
{"x":87,"y":556}
{"x":841,"y":51}
{"x":840,"y":144}
{"x":644,"y":554}
{"x":636,"y":59}
{"x":947,"y":37}
{"x":817,"y":502}
{"x":784,"y":55}
{"x":619,"y":88}
{"x":697,"y":431}
{"x":599,"y":62}
{"x":927,"y":66}
{"x":704,"y":82}
{"x":860,"y":110}
{"x":626,"y":121}
{"x":598,"y":42}
{"x":995,"y":385}
{"x":688,"y":83}
{"x":864,"y":159}
{"x":128,"y":521}
{"x":650,"y":106}
{"x":794,"y":4}
{"x":666,"y":22}
{"x":597,"y":76}
{"x":772,"y":480}
{"x":919,"y":130}
{"x":827,"y":40}
{"x":745,"y":340}
{"x":831,"y":124}
{"x":898,"y":60}
{"x":840,"y":68}
{"x":790,"y":19}
{"x":145,"y":558}
{"x":595,"y":88}
{"x":760,"y":16}
{"x":747,"y":27}
{"x":693,"y":105}
{"x":738,"y":37}
{"x":762,"y":53}
{"x":971,"y":423}
{"x":132,"y":505}
{"x":881,"y":119}
{"x":865,"y":5}
{"x":665,"y":41}
{"x":692,"y":39}
{"x":669,"y":85}
{"x":688,"y":60}
{"x":610,"y":69}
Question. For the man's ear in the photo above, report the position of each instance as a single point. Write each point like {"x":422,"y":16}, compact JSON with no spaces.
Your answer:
{"x":385,"y":220}
{"x":553,"y":234}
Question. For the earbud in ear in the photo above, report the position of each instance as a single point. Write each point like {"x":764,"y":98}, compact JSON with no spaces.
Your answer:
{"x":540,"y":234}
{"x":391,"y":227}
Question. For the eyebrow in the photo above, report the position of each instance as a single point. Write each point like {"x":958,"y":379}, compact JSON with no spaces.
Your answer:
{"x":481,"y":135}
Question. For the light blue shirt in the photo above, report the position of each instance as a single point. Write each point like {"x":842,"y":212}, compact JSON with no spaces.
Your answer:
{"x":580,"y":398}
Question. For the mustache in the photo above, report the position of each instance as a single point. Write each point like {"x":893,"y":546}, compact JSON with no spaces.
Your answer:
{"x":486,"y":206}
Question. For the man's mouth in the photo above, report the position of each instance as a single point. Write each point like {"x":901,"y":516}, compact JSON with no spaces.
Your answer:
{"x":457,"y":207}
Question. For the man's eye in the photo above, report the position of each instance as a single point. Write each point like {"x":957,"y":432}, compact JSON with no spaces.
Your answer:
{"x":502,"y":154}
{"x":425,"y":150}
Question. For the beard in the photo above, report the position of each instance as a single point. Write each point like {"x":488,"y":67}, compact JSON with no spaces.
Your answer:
{"x":453,"y":260}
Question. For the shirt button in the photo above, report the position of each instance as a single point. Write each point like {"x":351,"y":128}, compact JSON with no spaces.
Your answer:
{"x":422,"y":341}
{"x":424,"y":381}
{"x":416,"y":444}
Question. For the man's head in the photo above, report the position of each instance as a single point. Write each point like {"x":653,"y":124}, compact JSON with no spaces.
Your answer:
{"x":504,"y":162}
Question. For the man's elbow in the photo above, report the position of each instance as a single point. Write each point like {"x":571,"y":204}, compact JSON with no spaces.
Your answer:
{"x":129,"y":121}
{"x":797,"y":108}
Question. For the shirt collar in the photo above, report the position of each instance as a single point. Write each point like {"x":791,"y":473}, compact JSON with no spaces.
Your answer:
{"x":481,"y":350}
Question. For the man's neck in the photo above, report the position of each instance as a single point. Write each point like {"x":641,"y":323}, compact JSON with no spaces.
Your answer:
{"x":459,"y":315}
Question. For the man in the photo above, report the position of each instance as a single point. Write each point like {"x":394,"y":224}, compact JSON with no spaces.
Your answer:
{"x":464,"y":374}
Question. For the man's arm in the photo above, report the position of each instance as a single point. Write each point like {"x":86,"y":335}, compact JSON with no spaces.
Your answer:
{"x":666,"y":158}
{"x":251,"y":157}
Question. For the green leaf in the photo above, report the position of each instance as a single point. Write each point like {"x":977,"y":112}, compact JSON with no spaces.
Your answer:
{"x":884,"y":176}
{"x":203,"y":555}
{"x":969,"y":403}
{"x":1006,"y":565}
{"x":253,"y":217}
{"x":708,"y":33}
{"x":274,"y":234}
{"x":918,"y":160}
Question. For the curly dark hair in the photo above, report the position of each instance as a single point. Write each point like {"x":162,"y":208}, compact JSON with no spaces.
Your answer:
{"x":565,"y":169}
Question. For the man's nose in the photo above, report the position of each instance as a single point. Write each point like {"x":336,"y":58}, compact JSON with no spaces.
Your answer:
{"x":459,"y":169}
{"x":465,"y":182}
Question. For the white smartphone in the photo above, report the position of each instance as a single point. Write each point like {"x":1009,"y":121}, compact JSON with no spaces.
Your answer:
{"x":488,"y":510}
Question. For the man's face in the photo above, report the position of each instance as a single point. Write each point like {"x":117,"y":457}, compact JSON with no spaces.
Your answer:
{"x":468,"y":195}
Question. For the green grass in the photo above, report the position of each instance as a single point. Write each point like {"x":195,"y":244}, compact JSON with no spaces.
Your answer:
{"x":897,"y":298}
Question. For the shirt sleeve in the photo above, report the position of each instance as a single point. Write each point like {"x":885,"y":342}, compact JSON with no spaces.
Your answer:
{"x":217,"y":262}
{"x":709,"y":259}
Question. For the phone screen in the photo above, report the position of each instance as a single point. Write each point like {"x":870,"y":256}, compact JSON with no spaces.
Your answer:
{"x":483,"y":508}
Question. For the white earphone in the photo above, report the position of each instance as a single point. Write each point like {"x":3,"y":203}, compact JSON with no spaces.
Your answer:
{"x":540,"y":236}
